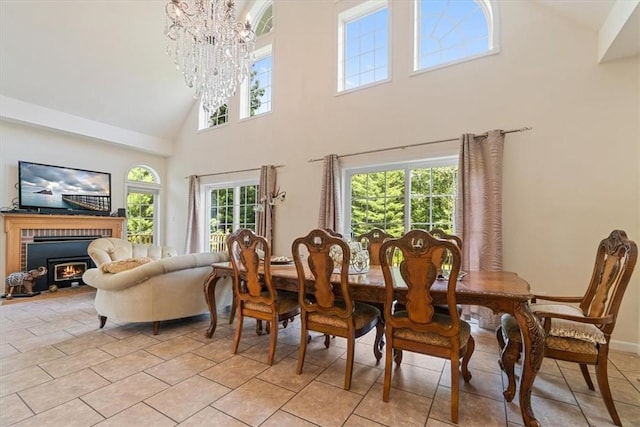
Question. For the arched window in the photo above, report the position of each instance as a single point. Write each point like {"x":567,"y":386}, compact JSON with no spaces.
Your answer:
{"x":143,"y":194}
{"x":449,"y":31}
{"x":265,"y":22}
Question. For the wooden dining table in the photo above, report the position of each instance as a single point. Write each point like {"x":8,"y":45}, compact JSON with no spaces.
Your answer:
{"x":501,"y":291}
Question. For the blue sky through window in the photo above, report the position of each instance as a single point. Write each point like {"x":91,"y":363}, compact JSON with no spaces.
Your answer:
{"x":366,"y":49}
{"x":450,"y":30}
{"x":263,"y":68}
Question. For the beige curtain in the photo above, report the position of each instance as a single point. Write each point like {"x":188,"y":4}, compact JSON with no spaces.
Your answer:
{"x":264,"y":227}
{"x":479,"y":210}
{"x":194,"y":238}
{"x":330,"y":209}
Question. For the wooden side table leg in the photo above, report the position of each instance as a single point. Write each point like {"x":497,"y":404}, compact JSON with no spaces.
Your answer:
{"x":210,"y":295}
{"x":533,"y":338}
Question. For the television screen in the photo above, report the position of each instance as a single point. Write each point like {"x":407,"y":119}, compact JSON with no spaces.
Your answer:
{"x":53,"y":188}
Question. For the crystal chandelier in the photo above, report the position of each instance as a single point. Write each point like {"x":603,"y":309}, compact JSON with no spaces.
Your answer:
{"x":212,"y":49}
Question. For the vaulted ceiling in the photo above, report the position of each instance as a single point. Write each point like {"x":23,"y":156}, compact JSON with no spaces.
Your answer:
{"x":103,"y":62}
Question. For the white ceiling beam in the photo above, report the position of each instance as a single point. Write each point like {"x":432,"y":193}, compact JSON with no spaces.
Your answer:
{"x":14,"y":110}
{"x":619,"y":36}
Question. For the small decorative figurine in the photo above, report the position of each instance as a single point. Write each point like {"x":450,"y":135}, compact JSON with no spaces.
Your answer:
{"x":22,"y":281}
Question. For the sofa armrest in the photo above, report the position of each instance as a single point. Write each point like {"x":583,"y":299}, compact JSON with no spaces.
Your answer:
{"x":117,"y":281}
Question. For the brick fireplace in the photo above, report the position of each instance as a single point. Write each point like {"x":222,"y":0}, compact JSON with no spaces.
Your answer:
{"x":23,"y":229}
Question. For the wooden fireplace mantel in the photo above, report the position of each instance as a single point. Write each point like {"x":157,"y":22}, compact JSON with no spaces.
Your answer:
{"x":15,"y":223}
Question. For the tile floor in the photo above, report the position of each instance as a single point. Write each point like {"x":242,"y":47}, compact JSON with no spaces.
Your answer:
{"x":58,"y":369}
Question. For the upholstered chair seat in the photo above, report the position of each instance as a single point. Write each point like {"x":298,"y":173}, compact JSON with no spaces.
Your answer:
{"x":286,"y":302}
{"x":432,"y":338}
{"x":364,"y":316}
{"x":579,"y":343}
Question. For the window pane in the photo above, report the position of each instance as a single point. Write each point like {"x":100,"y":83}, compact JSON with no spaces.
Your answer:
{"x":231,"y":208}
{"x":450,"y":31}
{"x":140,"y":217}
{"x":219,"y":117}
{"x":265,"y":23}
{"x":141,"y":174}
{"x":248,"y":199}
{"x":378,"y":200}
{"x":222,"y":210}
{"x":365,"y":49}
{"x":433,"y":197}
{"x":260,"y":92}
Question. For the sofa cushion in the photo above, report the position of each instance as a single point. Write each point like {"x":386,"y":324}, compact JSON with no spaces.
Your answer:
{"x":124,"y":264}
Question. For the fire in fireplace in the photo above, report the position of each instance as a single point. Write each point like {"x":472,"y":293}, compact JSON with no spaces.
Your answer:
{"x":65,"y":270}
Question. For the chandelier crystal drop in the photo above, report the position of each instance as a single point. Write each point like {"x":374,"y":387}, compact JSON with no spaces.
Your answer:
{"x":212,"y":49}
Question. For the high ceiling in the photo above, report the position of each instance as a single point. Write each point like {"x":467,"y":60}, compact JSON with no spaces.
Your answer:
{"x":105,"y":61}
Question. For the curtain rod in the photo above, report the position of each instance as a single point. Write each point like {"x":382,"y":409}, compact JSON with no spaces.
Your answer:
{"x":236,"y":171}
{"x":524,"y":129}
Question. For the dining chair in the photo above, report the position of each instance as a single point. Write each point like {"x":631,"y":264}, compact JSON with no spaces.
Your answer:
{"x":579,"y":328}
{"x":419,"y":327}
{"x":256,"y":295}
{"x":325,"y":306}
{"x":441,"y":234}
{"x":443,"y":261}
{"x":372,"y":240}
{"x":440,"y":258}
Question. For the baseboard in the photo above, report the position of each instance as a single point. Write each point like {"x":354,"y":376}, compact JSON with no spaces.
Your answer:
{"x":625,"y":346}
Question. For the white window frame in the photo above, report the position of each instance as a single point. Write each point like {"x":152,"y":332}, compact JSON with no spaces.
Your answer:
{"x":490,"y":11}
{"x":257,"y":10}
{"x":245,"y":96}
{"x":350,"y":15}
{"x":425,"y":163}
{"x":206,"y":193}
{"x":203,"y":118}
{"x":154,"y":188}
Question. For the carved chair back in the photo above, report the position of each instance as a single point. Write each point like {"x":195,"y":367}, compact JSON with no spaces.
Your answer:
{"x":244,"y":247}
{"x":418,"y":269}
{"x":373,"y":240}
{"x":615,"y":260}
{"x":440,"y":234}
{"x":320,"y":294}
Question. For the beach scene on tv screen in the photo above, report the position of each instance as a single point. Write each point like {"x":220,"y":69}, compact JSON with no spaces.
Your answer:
{"x":57,"y":187}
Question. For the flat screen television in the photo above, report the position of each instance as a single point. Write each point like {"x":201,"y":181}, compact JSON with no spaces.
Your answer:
{"x":59,"y":189}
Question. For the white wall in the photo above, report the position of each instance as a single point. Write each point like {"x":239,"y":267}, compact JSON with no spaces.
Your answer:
{"x":567,"y":183}
{"x":21,"y":142}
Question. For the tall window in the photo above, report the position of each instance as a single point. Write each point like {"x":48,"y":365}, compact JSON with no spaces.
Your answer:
{"x":363,"y":45}
{"x":400,"y":198}
{"x":256,"y":93}
{"x":452,"y":31}
{"x":143,"y":191}
{"x":230,"y":206}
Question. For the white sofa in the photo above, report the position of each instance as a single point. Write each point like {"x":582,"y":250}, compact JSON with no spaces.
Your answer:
{"x":144,"y":283}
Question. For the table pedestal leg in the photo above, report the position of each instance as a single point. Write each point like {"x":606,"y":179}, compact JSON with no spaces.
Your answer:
{"x":210,"y":296}
{"x":533,"y":337}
